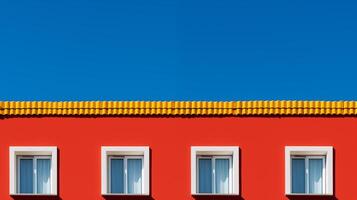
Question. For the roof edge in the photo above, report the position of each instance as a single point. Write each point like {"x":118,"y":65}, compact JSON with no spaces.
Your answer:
{"x":232,"y":108}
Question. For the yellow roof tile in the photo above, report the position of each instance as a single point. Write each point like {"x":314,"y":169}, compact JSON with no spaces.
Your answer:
{"x":196,"y":108}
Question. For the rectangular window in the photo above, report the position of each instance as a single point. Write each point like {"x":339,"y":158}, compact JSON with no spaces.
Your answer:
{"x":125,"y":170}
{"x":34,"y":175}
{"x":308,"y":174}
{"x":125,"y":174}
{"x":214,"y":174}
{"x":309,"y":170}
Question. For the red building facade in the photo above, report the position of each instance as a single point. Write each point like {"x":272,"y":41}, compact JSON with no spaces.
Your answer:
{"x":262,"y":133}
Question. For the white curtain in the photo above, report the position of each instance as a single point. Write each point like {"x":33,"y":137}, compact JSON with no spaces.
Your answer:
{"x":298,"y":175}
{"x":315,"y":176}
{"x":222,"y":176}
{"x":26,"y":176}
{"x":43,"y":176}
{"x":117,"y":176}
{"x":134,"y":176}
{"x":205,"y":175}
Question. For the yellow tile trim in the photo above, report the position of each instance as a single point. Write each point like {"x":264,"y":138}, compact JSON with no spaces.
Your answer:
{"x":199,"y":108}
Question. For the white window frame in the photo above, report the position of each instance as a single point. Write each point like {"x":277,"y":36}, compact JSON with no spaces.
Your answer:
{"x":33,"y":152}
{"x":231,"y":152}
{"x":310,"y":152}
{"x":34,"y":161}
{"x":125,"y":162}
{"x":213,"y":175}
{"x":306,"y":159}
{"x":142,"y":152}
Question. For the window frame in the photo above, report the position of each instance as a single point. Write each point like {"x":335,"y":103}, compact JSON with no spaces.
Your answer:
{"x":123,"y":151}
{"x":216,"y":151}
{"x":213,"y":175}
{"x":17,"y":152}
{"x":125,"y":168}
{"x":307,"y":153}
{"x":34,"y":172}
{"x":307,"y":178}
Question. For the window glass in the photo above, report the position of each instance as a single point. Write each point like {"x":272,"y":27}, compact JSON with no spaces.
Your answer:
{"x":307,"y":175}
{"x":43,"y":176}
{"x":298,"y":175}
{"x":126,"y":175}
{"x":34,"y":175}
{"x":222,"y":176}
{"x":315,"y":176}
{"x":134,"y":176}
{"x":117,"y":176}
{"x":205,"y":175}
{"x":26,"y":176}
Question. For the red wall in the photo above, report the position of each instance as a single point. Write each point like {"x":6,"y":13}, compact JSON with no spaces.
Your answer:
{"x":261,"y":140}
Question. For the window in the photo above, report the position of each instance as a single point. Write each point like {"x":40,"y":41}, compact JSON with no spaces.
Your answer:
{"x":309,"y":170}
{"x":214,"y":170}
{"x":33,"y":170}
{"x":214,"y":174}
{"x":125,"y":170}
{"x":125,"y":175}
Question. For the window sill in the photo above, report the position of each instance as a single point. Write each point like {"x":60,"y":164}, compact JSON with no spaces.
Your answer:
{"x":127,"y":195}
{"x":208,"y":194}
{"x":34,"y":195}
{"x":307,"y":195}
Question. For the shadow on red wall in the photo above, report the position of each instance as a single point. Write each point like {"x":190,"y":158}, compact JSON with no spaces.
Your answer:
{"x":35,"y":197}
{"x":303,"y":197}
{"x":218,"y":197}
{"x":131,"y":197}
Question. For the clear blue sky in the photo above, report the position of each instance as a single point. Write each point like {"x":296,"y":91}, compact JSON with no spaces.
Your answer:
{"x":178,"y":50}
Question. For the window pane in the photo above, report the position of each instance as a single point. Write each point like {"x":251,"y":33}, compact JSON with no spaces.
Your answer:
{"x":315,"y":176}
{"x":222,"y":176}
{"x":134,"y":176}
{"x":298,"y":175}
{"x":205,"y":175}
{"x":26,"y":176}
{"x":117,"y":176}
{"x":43,"y":176}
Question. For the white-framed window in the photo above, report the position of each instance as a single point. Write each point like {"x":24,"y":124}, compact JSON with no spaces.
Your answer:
{"x":33,"y":170}
{"x":308,"y":170}
{"x":125,"y":174}
{"x":215,"y":170}
{"x":125,"y":170}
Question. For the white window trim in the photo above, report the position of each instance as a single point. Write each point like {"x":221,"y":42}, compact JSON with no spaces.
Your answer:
{"x":197,"y":151}
{"x":142,"y":151}
{"x":310,"y":151}
{"x":32,"y":151}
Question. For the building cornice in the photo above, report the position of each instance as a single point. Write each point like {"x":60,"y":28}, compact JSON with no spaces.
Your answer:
{"x":177,"y":108}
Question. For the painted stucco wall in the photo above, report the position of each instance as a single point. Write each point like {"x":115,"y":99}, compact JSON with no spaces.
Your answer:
{"x":261,"y":140}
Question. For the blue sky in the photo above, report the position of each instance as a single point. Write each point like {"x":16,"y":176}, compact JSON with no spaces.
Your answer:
{"x":178,"y":50}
